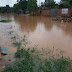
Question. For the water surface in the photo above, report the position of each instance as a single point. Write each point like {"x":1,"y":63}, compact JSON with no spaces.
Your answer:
{"x":40,"y":31}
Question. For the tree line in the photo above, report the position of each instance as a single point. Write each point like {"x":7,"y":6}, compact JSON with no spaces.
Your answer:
{"x":61,"y":4}
{"x":31,"y":5}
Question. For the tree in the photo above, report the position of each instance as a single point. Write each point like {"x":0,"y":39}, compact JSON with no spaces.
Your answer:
{"x":7,"y":7}
{"x":32,"y":6}
{"x":42,"y":4}
{"x":50,"y":4}
{"x":16,"y":7}
{"x":23,"y":4}
{"x":65,"y":3}
{"x":47,"y":1}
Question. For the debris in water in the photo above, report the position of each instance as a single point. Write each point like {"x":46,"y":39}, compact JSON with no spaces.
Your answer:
{"x":3,"y":51}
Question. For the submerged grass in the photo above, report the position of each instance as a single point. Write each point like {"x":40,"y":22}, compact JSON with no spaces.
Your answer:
{"x":4,"y":21}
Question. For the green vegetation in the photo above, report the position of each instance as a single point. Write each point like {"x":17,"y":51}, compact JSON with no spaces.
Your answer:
{"x":33,"y":60}
{"x":65,"y":3}
{"x":21,"y":5}
{"x":21,"y":53}
{"x":1,"y":14}
{"x":4,"y":21}
{"x":25,"y":65}
{"x":32,"y":6}
{"x":24,"y":5}
{"x":0,"y":58}
{"x":17,"y":44}
{"x":53,"y":4}
{"x":5,"y":9}
{"x":30,"y":62}
{"x":16,"y":7}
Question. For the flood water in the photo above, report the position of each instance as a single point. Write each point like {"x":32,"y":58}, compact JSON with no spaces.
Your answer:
{"x":40,"y":31}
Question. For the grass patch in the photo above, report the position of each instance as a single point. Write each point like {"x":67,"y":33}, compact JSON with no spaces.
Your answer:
{"x":21,"y":53}
{"x":34,"y":63}
{"x":0,"y":58}
{"x":1,"y":14}
{"x":4,"y":21}
{"x":19,"y":41}
{"x":17,"y":44}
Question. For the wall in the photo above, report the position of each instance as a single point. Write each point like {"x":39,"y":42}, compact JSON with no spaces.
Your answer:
{"x":64,"y":15}
{"x":46,"y":12}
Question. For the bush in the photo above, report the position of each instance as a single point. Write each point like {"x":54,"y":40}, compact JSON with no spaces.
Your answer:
{"x":5,"y":20}
{"x":33,"y":63}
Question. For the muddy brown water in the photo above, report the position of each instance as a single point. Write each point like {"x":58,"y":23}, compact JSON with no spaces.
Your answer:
{"x":40,"y":30}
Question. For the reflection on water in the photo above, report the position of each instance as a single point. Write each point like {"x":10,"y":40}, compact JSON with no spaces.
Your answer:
{"x":41,"y":31}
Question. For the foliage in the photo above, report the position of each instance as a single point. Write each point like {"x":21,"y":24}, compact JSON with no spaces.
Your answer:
{"x":16,"y":7}
{"x":34,"y":63}
{"x":32,"y":5}
{"x":25,"y":65}
{"x":17,"y":44}
{"x":50,"y":4}
{"x":22,"y":53}
{"x":4,"y":21}
{"x":49,"y":1}
{"x":65,"y":3}
{"x":21,"y":5}
{"x":42,"y":4}
{"x":5,"y":9}
{"x":62,"y":4}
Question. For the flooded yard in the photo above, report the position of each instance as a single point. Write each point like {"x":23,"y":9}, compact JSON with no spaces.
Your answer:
{"x":40,"y":31}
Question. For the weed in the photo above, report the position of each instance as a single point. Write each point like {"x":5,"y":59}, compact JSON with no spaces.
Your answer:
{"x":13,"y":37}
{"x":17,"y":44}
{"x":10,"y":32}
{"x":33,"y":63}
{"x":0,"y":58}
{"x":5,"y":21}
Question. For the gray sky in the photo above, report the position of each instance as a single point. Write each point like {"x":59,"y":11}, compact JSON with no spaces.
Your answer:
{"x":12,"y":2}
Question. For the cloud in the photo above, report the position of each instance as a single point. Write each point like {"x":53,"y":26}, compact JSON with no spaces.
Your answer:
{"x":7,"y":2}
{"x":57,"y":1}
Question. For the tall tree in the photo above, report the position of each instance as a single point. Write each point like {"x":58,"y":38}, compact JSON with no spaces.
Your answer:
{"x":32,"y":5}
{"x":65,"y":3}
{"x":16,"y":7}
{"x":50,"y":4}
{"x":23,"y":4}
{"x":7,"y":7}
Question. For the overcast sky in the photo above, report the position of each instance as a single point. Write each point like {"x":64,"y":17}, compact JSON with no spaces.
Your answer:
{"x":12,"y":2}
